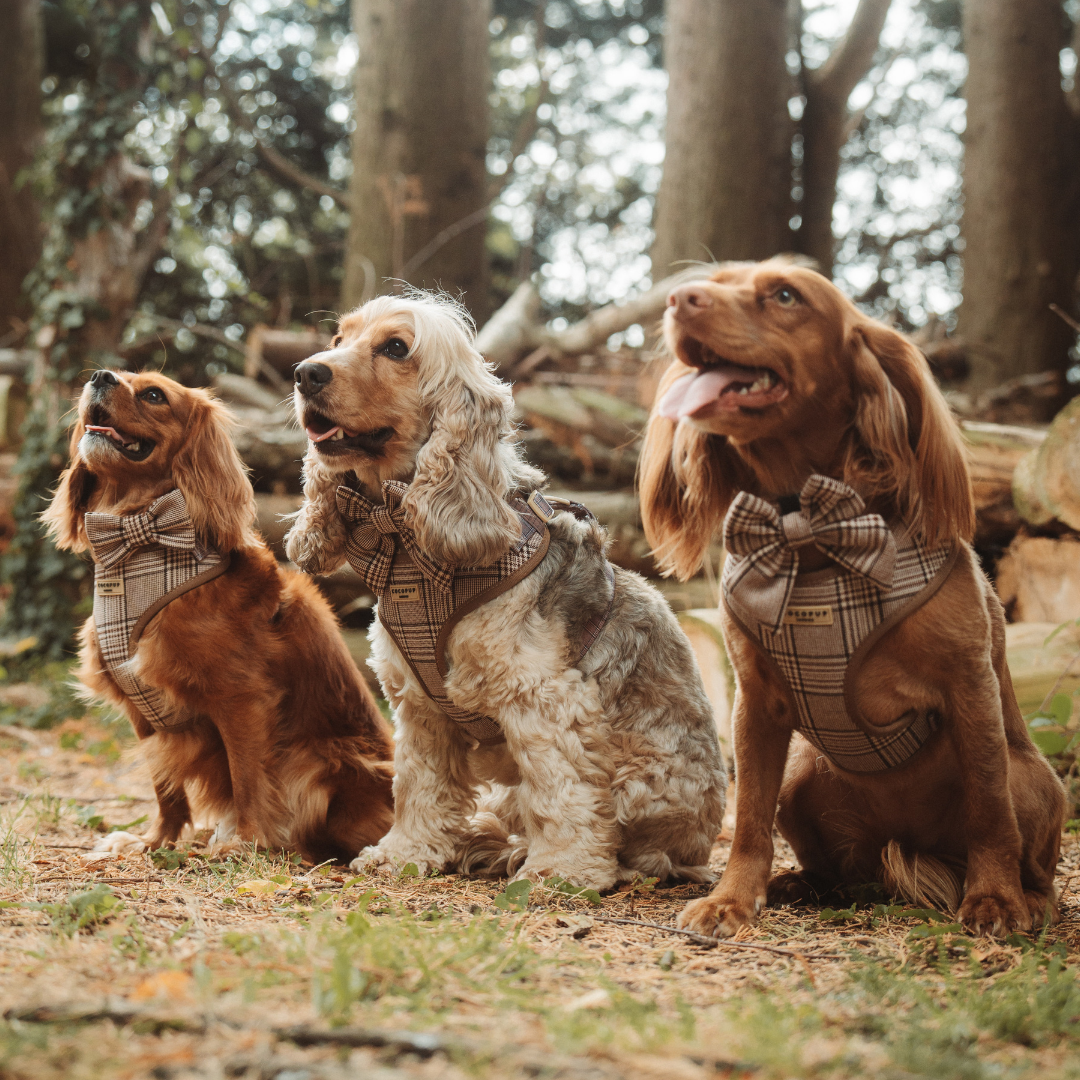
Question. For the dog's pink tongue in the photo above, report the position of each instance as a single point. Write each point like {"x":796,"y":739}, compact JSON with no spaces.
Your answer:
{"x":111,"y":432}
{"x":696,"y":390}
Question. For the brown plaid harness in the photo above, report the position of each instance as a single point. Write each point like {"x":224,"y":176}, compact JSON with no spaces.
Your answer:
{"x":421,"y":601}
{"x":817,"y":628}
{"x":142,"y":562}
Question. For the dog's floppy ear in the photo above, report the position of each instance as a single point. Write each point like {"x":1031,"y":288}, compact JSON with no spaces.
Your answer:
{"x":907,"y":444}
{"x":64,"y":517}
{"x":456,"y":503}
{"x":213,"y":480}
{"x":687,"y":479}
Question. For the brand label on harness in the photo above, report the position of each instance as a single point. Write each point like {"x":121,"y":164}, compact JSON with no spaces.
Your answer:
{"x":403,"y":594}
{"x":540,"y":506}
{"x":808,"y":616}
{"x":110,"y":587}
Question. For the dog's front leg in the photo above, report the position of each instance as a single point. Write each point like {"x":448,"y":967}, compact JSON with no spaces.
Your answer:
{"x":761,"y":746}
{"x":994,"y":901}
{"x":564,"y":795}
{"x":434,"y":795}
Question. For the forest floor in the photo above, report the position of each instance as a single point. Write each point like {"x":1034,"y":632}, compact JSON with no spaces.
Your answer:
{"x":174,"y":965}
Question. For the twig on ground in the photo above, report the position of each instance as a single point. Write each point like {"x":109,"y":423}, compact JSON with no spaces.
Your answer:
{"x":115,"y":1009}
{"x":409,"y":1042}
{"x":712,"y":942}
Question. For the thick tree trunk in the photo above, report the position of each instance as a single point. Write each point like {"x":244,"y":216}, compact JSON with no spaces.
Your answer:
{"x":1020,"y":218}
{"x":21,"y":57}
{"x":726,"y":188}
{"x":419,"y":148}
{"x":826,"y":125}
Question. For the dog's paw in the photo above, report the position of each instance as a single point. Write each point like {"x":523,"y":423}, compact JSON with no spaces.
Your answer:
{"x":791,"y":887}
{"x":1043,"y":908}
{"x":115,"y":843}
{"x":601,"y":876}
{"x":994,"y":916}
{"x":378,"y":860}
{"x":223,"y":849}
{"x":715,"y":916}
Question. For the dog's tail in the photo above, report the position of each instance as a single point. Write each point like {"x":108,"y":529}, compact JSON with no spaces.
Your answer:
{"x":923,"y":880}
{"x":490,"y":849}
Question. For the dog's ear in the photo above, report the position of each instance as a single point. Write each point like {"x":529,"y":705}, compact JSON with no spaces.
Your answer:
{"x":213,"y":480}
{"x":907,"y":444}
{"x":456,"y":503}
{"x":687,"y":479}
{"x":64,"y":517}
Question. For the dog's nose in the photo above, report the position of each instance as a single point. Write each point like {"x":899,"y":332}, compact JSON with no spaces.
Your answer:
{"x":689,"y":299}
{"x":311,"y":377}
{"x":103,"y":378}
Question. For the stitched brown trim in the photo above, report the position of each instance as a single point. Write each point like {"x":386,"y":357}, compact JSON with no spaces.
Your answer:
{"x":875,"y":635}
{"x":169,"y":597}
{"x":522,"y":571}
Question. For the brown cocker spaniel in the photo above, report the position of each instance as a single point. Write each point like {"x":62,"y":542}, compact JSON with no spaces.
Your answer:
{"x":790,"y":409}
{"x":248,"y":704}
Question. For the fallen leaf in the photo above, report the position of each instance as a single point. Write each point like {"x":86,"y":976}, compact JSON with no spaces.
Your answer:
{"x":174,"y":985}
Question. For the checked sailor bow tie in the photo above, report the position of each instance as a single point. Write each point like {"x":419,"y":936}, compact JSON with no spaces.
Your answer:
{"x":371,"y":541}
{"x":831,"y":517}
{"x":165,"y":521}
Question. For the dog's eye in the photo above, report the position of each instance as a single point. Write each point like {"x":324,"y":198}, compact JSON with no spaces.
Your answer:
{"x":786,"y":296}
{"x":154,"y":396}
{"x":336,"y":341}
{"x":395,"y":348}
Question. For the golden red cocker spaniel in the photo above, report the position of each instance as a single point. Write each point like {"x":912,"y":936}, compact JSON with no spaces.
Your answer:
{"x":230,"y":669}
{"x":874,"y":718}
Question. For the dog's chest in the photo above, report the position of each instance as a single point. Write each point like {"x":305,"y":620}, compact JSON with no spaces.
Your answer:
{"x":143,"y":578}
{"x":832,"y":620}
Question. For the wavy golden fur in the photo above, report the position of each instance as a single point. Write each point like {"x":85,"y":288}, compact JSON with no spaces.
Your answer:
{"x":284,"y":743}
{"x":894,"y":439}
{"x":805,"y":383}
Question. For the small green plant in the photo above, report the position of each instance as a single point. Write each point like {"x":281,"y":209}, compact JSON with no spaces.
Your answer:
{"x":1049,"y":726}
{"x":86,"y":910}
{"x":515,"y":897}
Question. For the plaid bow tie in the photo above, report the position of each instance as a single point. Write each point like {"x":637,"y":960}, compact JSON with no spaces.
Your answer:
{"x":371,"y":542}
{"x":165,"y":522}
{"x":831,"y":516}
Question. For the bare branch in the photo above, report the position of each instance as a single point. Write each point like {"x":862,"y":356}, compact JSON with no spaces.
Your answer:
{"x":850,"y":60}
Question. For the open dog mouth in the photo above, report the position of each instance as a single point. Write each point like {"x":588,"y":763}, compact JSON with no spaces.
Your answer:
{"x":133,"y":447}
{"x":719,"y":385}
{"x":331,"y":438}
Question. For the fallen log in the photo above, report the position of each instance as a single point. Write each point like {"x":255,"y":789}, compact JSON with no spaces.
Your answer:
{"x":279,"y":351}
{"x":1046,"y":483}
{"x":1038,"y":579}
{"x":994,"y":451}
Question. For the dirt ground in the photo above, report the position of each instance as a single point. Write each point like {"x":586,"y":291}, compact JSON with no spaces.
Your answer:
{"x":176,"y":965}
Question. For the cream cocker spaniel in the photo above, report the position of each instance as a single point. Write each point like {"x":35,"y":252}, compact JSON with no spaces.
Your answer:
{"x":598,"y":765}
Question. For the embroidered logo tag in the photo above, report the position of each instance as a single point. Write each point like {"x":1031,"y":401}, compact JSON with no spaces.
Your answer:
{"x":540,"y":506}
{"x":110,"y":587}
{"x":403,"y":594}
{"x":808,"y":616}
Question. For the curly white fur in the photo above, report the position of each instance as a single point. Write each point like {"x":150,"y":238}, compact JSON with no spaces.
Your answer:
{"x":610,"y":766}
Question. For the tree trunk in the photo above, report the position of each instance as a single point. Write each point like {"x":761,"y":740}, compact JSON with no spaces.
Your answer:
{"x":1020,"y":195}
{"x":726,"y":188}
{"x":419,"y":148}
{"x":21,"y":55}
{"x":826,"y":125}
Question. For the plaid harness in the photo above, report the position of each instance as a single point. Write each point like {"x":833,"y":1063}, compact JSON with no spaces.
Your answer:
{"x":421,"y":601}
{"x":142,"y":562}
{"x":817,"y":628}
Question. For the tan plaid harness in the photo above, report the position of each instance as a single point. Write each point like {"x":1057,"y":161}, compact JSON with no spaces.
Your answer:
{"x":142,"y":562}
{"x":817,"y":628}
{"x":421,"y":601}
